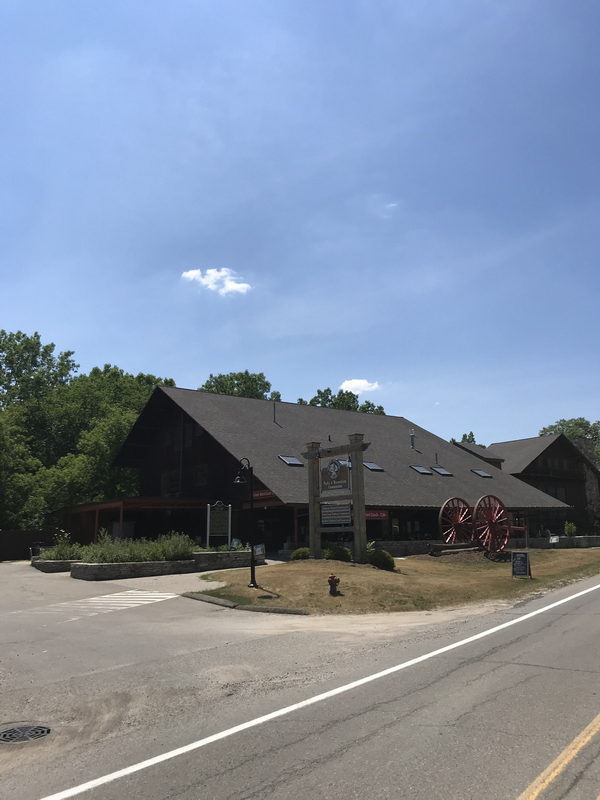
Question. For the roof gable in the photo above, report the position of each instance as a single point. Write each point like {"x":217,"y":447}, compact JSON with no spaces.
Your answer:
{"x":263,"y":430}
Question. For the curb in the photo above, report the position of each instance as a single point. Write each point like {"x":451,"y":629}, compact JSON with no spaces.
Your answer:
{"x":221,"y":601}
{"x":207,"y":598}
{"x":273,"y":610}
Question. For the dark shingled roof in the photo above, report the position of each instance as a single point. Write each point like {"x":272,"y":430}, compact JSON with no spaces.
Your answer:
{"x":480,"y":450}
{"x":519,"y":453}
{"x":247,"y":428}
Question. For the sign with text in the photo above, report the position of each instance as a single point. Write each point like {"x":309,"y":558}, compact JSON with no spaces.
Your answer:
{"x":262,"y":494}
{"x":335,"y":476}
{"x":218,"y":521}
{"x":520,"y":565}
{"x":259,"y":550}
{"x":336,"y":514}
{"x":554,"y":539}
{"x":374,"y":513}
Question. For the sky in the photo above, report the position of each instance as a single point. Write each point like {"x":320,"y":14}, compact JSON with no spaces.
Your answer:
{"x":401,"y":198}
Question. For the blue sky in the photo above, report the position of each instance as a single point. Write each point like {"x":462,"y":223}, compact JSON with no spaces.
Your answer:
{"x":401,"y":193}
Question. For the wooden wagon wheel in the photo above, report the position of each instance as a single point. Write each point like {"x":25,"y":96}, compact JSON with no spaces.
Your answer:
{"x":455,"y":521}
{"x":491,"y":523}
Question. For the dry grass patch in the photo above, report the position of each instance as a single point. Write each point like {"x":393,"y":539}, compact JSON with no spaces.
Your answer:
{"x":420,"y":582}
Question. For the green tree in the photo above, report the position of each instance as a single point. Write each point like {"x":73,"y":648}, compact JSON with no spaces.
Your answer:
{"x":61,"y":449}
{"x":468,"y":438}
{"x":241,"y":384}
{"x":30,"y":369}
{"x":343,"y":401}
{"x":18,"y":469}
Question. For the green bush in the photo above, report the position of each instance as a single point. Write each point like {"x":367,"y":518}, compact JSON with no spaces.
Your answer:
{"x":300,"y":553}
{"x":338,"y":553}
{"x":170,"y":547}
{"x":63,"y":548}
{"x":381,"y":559}
{"x":570,"y":529}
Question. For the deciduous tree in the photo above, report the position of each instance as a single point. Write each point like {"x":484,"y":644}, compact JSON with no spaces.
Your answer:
{"x":30,"y":369}
{"x":241,"y":384}
{"x":343,"y":401}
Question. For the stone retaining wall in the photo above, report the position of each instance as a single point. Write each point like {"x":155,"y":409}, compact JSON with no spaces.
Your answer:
{"x":52,"y":566}
{"x":143,"y":569}
{"x":563,"y":542}
{"x":409,"y":548}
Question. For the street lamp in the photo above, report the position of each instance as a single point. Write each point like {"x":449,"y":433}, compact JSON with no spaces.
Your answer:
{"x":246,"y":468}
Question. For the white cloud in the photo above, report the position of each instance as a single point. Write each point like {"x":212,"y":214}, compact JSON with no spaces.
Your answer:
{"x":358,"y":385}
{"x":223,"y":281}
{"x":381,"y":206}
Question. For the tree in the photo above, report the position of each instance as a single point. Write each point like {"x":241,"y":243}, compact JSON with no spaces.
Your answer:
{"x":343,"y":401}
{"x":468,"y":438}
{"x":577,"y":428}
{"x":59,"y":451}
{"x":18,"y":469}
{"x":241,"y":384}
{"x":29,"y":369}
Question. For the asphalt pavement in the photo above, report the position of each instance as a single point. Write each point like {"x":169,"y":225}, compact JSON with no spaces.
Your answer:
{"x":123,"y":674}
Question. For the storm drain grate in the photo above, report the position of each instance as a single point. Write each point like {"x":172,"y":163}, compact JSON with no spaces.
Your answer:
{"x":23,"y":733}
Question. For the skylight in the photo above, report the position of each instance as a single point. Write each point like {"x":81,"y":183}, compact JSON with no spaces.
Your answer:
{"x":292,"y":461}
{"x":421,"y":470}
{"x":482,"y":473}
{"x":373,"y":466}
{"x":441,"y":470}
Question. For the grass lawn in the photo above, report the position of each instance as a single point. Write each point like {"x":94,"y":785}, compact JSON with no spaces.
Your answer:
{"x":419,"y":583}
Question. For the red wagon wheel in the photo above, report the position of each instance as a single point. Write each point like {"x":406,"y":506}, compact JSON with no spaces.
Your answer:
{"x":455,"y":521}
{"x":491,"y":523}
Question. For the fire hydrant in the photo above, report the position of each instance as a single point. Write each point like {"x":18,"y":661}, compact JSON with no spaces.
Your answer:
{"x":333,"y":584}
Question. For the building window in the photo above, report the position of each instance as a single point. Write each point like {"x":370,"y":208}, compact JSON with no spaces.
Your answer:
{"x":482,"y":473}
{"x":373,"y":466}
{"x":421,"y":470}
{"x":441,"y":470}
{"x":291,"y":461}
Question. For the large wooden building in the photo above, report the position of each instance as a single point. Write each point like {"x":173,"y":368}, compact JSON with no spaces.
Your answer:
{"x":555,"y":465}
{"x":187,"y":446}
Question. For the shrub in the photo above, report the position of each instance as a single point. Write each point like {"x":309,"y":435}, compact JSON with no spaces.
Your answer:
{"x":63,"y":548}
{"x":570,"y":529}
{"x":300,"y":553}
{"x":338,"y":553}
{"x":170,"y":547}
{"x":175,"y":547}
{"x":382,"y":560}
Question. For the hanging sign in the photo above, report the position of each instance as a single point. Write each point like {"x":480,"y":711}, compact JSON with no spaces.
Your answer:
{"x":335,"y":476}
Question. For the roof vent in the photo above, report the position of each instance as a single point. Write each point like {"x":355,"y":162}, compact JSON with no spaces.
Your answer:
{"x":412,"y":438}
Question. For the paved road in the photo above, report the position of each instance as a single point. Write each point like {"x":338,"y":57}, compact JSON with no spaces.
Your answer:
{"x":483,"y":720}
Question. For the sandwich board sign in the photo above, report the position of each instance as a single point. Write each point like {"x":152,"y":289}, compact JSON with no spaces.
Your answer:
{"x":521,"y":568}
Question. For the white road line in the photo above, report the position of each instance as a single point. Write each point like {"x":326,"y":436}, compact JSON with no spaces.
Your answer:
{"x":318,"y":698}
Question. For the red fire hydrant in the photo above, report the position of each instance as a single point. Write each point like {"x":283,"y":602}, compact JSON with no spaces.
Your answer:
{"x":333,"y":584}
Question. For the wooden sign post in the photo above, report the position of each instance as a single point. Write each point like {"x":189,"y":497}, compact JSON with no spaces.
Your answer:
{"x":337,"y":487}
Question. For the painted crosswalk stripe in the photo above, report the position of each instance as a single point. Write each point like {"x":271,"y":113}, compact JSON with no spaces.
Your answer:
{"x":104,"y":604}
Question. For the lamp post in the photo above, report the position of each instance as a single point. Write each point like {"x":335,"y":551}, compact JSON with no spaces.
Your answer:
{"x":246,"y":467}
